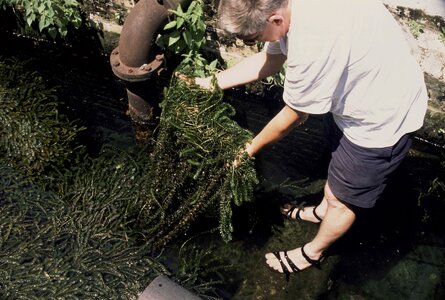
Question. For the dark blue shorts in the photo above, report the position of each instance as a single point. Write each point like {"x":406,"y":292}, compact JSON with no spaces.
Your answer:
{"x":358,"y":175}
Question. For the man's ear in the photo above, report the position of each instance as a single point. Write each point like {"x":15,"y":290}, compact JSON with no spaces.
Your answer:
{"x":276,"y":19}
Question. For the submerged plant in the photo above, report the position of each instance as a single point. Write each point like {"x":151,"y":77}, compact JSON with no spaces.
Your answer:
{"x":33,"y":136}
{"x":91,"y":234}
{"x":73,"y":244}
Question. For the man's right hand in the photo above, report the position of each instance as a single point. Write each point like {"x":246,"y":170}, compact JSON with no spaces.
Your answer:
{"x":204,"y":83}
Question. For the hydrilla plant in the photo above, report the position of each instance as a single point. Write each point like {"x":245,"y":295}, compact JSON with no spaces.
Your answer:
{"x":193,"y":169}
{"x":34,"y":137}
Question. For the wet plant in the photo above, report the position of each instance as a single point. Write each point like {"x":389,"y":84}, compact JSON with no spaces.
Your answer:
{"x":199,"y":269}
{"x":193,"y":169}
{"x":34,"y":137}
{"x":93,"y":232}
{"x":74,"y":244}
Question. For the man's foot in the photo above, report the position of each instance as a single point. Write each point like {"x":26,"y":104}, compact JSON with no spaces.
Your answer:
{"x":292,"y":261}
{"x":300,"y":212}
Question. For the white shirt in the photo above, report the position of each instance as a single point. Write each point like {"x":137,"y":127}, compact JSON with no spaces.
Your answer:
{"x":350,"y":57}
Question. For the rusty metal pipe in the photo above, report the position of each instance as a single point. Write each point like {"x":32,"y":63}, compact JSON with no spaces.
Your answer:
{"x":139,"y":32}
{"x":133,"y":60}
{"x":136,"y":59}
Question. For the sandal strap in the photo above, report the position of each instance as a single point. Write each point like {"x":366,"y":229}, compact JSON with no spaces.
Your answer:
{"x":283,"y":266}
{"x":294,"y":268}
{"x":294,"y":206}
{"x":313,"y":262}
{"x":315,"y":214}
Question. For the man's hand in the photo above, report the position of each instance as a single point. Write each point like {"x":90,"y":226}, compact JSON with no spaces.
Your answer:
{"x":204,"y":83}
{"x":238,"y":158}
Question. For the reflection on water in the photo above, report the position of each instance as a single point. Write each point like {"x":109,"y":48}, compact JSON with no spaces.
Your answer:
{"x":393,"y":251}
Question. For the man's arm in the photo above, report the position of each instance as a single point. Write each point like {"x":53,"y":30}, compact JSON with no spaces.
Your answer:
{"x":286,"y":120}
{"x":255,"y":67}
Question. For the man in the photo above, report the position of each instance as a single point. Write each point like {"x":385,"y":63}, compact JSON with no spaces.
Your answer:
{"x":347,"y":58}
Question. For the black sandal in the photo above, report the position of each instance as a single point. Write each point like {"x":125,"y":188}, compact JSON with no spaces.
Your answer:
{"x":293,"y":268}
{"x":300,"y":207}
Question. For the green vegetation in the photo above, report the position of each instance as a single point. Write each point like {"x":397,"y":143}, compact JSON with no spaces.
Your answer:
{"x":416,"y":28}
{"x":34,"y":138}
{"x":185,"y":33}
{"x":442,"y":35}
{"x":82,"y":227}
{"x":52,"y":17}
{"x":193,"y":159}
{"x":276,"y":79}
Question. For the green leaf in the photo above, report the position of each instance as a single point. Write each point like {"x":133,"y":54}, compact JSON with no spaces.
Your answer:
{"x":173,"y":38}
{"x":31,"y":19}
{"x":170,"y":25}
{"x":179,"y":46}
{"x":41,"y":8}
{"x":180,"y":22}
{"x":187,"y":38}
{"x":52,"y":32}
{"x":42,"y":23}
{"x":191,"y":7}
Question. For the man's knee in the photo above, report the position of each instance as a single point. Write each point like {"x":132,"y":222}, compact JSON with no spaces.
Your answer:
{"x":332,"y":200}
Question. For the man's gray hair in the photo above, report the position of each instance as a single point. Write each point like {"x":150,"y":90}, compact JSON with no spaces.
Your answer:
{"x":246,"y":17}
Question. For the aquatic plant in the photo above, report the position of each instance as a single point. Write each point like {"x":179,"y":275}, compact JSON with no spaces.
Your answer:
{"x":94,"y":231}
{"x":34,"y":137}
{"x":197,"y":143}
{"x":72,"y":245}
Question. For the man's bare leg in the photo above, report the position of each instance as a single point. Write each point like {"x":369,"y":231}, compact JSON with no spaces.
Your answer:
{"x":336,"y":222}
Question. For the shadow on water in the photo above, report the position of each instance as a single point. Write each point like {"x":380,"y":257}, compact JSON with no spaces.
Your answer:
{"x":395,"y":250}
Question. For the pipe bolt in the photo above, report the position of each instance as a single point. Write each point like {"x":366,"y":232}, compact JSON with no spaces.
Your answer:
{"x":159,"y":57}
{"x":115,"y":52}
{"x":130,"y":71}
{"x":116,"y":64}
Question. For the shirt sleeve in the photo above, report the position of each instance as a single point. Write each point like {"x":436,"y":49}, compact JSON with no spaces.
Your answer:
{"x":273,"y":48}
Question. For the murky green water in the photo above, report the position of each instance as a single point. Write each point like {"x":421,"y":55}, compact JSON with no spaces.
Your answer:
{"x":393,"y":251}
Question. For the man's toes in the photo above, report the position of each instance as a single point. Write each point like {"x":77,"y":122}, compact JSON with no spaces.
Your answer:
{"x":271,"y":257}
{"x":286,"y":210}
{"x":273,"y":262}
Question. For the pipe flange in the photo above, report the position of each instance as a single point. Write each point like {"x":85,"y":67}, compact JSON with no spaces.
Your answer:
{"x":134,"y":74}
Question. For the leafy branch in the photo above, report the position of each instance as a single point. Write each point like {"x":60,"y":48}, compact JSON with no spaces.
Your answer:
{"x":186,"y":32}
{"x":53,"y":17}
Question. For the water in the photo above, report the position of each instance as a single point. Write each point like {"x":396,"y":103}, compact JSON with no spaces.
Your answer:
{"x":393,"y":251}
